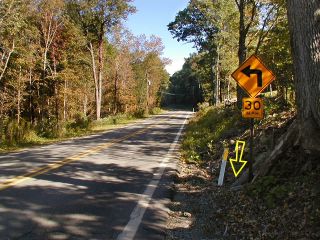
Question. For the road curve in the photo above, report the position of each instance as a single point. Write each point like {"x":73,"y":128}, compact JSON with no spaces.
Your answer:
{"x":106,"y":186}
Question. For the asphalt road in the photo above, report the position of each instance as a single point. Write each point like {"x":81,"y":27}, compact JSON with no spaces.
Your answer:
{"x":113,"y":185}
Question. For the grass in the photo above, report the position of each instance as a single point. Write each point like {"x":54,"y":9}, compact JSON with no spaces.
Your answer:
{"x":78,"y":128}
{"x":204,"y":134}
{"x":208,"y":131}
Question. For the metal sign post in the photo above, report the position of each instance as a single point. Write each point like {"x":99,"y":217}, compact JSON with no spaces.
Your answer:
{"x":251,"y":149}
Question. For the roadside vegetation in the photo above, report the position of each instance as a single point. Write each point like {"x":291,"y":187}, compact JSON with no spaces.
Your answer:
{"x":283,"y":203}
{"x":24,"y":134}
{"x":282,"y":200}
{"x":206,"y":131}
{"x":71,"y":67}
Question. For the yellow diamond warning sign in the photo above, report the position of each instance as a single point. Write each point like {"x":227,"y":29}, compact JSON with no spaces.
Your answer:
{"x":253,"y":76}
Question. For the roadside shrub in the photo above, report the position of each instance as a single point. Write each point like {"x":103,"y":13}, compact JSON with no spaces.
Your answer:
{"x":79,"y":123}
{"x":155,"y":110}
{"x":275,"y":105}
{"x":140,"y":113}
{"x":204,"y":132}
{"x":31,"y":137}
{"x":270,"y":190}
{"x":51,"y":128}
{"x":203,"y":106}
{"x":15,"y":133}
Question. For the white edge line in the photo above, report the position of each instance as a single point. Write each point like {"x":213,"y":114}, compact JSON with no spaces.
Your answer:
{"x":137,"y":214}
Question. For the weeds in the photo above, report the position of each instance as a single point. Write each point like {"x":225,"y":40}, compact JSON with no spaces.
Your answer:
{"x":270,"y":190}
{"x":14,"y":135}
{"x":204,"y":133}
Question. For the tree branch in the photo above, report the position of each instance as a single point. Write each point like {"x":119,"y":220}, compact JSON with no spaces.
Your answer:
{"x":263,"y":34}
{"x":253,"y":13}
{"x":7,"y":60}
{"x":238,"y":3}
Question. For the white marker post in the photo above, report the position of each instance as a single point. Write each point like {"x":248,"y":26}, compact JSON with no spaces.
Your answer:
{"x":223,"y":166}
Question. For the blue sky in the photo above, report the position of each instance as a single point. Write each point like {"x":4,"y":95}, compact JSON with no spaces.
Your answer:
{"x":152,"y":17}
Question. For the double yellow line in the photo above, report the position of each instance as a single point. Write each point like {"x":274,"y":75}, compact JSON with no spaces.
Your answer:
{"x":38,"y":171}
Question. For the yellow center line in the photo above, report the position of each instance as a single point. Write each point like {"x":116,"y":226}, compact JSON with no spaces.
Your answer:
{"x":52,"y":166}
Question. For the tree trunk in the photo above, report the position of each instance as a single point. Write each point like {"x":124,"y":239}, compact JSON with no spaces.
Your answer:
{"x":147,"y":94}
{"x":242,"y":50}
{"x":243,"y":32}
{"x":304,"y":24}
{"x":5,"y":66}
{"x":100,"y":72}
{"x":65,"y":100}
{"x":85,"y":105}
{"x":55,"y":86}
{"x":45,"y":60}
{"x":39,"y":103}
{"x":30,"y":96}
{"x":217,"y":74}
{"x":221,"y":96}
{"x":213,"y":79}
{"x":96,"y":80}
{"x":115,"y":99}
{"x":2,"y":97}
{"x":19,"y":97}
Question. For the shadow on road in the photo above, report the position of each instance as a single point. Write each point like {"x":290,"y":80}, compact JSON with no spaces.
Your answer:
{"x":91,"y":198}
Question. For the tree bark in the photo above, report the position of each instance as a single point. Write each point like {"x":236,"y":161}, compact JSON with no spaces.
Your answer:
{"x":217,"y":75}
{"x":55,"y":86}
{"x":147,"y":94}
{"x":97,"y":80}
{"x":304,"y":24}
{"x":19,"y":97}
{"x":39,"y":103}
{"x":115,"y":93}
{"x":5,"y":65}
{"x":30,"y":96}
{"x":65,"y":100}
{"x":100,"y":73}
{"x":1,"y":113}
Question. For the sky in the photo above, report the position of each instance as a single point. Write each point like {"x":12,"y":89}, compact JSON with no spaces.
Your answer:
{"x":152,"y":17}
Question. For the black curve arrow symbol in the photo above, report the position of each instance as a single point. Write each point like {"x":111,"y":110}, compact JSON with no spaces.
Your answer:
{"x":248,"y":71}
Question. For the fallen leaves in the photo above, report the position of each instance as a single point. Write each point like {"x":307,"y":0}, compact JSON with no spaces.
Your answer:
{"x":284,"y":206}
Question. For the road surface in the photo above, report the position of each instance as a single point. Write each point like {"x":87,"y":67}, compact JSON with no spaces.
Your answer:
{"x":112,"y":185}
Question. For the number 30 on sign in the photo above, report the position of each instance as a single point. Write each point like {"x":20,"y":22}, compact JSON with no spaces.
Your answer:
{"x":252,"y":108}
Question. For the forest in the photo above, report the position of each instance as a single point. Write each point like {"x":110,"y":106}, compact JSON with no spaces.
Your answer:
{"x":67,"y":63}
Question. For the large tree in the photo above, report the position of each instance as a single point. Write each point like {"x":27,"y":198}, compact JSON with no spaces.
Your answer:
{"x":276,"y":52}
{"x":304,"y":22}
{"x":97,"y":18}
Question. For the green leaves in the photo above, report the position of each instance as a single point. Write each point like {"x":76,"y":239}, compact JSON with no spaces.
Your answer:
{"x":192,"y":24}
{"x":97,"y":17}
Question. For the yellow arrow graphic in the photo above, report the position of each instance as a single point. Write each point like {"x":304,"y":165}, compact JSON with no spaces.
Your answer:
{"x":238,"y":159}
